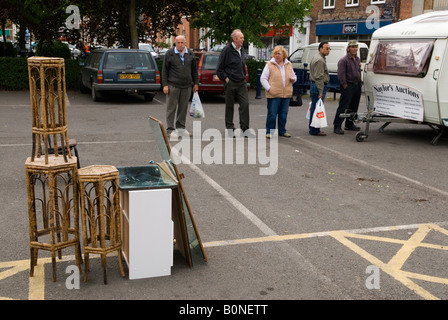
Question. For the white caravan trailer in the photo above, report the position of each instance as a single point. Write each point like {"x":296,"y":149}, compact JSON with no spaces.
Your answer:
{"x":406,"y":76}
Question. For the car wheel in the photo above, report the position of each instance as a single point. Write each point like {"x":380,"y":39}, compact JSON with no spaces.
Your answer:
{"x":96,"y":96}
{"x":149,"y":97}
{"x":82,"y":87}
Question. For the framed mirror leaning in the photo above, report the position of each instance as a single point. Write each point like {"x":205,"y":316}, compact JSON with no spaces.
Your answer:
{"x":185,"y":230}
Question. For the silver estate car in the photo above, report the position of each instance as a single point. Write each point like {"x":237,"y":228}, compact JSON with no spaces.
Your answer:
{"x":120,"y":70}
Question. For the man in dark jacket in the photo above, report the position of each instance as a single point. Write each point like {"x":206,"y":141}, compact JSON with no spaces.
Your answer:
{"x":349,"y":76}
{"x":231,"y":70}
{"x":179,"y":73}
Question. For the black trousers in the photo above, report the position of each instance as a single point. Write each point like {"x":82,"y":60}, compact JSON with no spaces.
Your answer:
{"x":348,"y":102}
{"x":237,"y":92}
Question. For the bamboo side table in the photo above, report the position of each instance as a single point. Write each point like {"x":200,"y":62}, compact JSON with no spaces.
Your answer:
{"x":52,"y":193}
{"x":48,"y":106}
{"x":101,"y":214}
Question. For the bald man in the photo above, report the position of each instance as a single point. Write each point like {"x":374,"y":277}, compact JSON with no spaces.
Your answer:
{"x":179,"y":75}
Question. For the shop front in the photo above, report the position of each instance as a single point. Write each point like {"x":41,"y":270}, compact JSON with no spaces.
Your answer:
{"x":360,"y":30}
{"x":290,"y":37}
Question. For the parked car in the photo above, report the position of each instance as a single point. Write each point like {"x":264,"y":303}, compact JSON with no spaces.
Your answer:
{"x":220,"y":47}
{"x":296,"y":58}
{"x":76,"y":53}
{"x":301,"y":58}
{"x":148,"y":47}
{"x":338,"y":50}
{"x":208,"y":80}
{"x":120,"y":70}
{"x":162,"y":53}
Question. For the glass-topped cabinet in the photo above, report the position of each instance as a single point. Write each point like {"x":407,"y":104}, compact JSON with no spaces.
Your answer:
{"x":163,"y":175}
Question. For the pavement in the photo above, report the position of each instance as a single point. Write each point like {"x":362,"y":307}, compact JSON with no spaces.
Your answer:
{"x":337,"y":216}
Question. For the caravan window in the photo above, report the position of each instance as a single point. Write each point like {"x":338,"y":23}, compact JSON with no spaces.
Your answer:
{"x":405,"y":58}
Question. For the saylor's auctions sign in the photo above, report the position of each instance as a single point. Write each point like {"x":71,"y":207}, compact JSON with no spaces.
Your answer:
{"x":398,"y":100}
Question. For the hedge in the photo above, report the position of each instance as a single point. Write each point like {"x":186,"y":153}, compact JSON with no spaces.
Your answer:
{"x":14,"y":74}
{"x":252,"y":67}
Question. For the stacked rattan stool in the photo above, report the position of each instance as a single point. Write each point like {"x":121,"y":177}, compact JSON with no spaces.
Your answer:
{"x":101,"y":214}
{"x":52,"y":208}
{"x":52,"y":190}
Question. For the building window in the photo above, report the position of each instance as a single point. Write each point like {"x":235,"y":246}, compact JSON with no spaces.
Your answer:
{"x":329,"y":4}
{"x":351,"y":3}
{"x":377,"y":1}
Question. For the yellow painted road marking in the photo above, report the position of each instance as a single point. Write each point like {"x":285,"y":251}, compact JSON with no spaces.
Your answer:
{"x":37,"y":284}
{"x":393,"y":267}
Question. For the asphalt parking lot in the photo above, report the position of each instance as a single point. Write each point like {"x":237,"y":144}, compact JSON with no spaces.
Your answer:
{"x":339,"y":219}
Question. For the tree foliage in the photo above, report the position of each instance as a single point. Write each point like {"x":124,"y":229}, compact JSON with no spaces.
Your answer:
{"x":105,"y":22}
{"x":108,"y":22}
{"x":253,"y":17}
{"x":43,"y":17}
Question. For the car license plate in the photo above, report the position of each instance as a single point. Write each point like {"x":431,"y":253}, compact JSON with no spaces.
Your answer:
{"x":129,"y":76}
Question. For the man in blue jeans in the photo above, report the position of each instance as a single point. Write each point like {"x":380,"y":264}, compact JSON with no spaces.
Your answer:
{"x":319,"y":78}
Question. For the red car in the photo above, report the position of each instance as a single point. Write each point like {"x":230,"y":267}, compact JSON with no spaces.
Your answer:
{"x":208,"y":80}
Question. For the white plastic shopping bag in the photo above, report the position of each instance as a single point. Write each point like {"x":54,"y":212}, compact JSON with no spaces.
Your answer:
{"x":309,"y":111}
{"x":319,"y":116}
{"x":196,"y":109}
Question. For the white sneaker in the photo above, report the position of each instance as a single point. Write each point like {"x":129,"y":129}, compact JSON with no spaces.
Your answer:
{"x":183,"y":133}
{"x":269,"y":136}
{"x":230,"y":133}
{"x":173,"y":135}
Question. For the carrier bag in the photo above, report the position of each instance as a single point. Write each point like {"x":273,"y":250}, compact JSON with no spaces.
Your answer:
{"x":319,"y":116}
{"x":309,"y":111}
{"x":196,"y":109}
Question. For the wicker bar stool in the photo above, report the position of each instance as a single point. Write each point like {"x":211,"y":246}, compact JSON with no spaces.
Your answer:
{"x":101,"y":214}
{"x":52,"y":193}
{"x":48,"y":107}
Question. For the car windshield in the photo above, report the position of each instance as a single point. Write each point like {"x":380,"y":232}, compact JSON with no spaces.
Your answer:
{"x":210,"y":62}
{"x":145,"y":46}
{"x":128,"y":60}
{"x":296,"y":56}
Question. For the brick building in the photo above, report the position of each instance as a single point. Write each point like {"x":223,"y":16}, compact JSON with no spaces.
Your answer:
{"x":330,"y":20}
{"x":343,"y":20}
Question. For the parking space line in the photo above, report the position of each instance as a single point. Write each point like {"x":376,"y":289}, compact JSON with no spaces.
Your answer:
{"x":393,"y":267}
{"x":37,"y":283}
{"x":395,"y":264}
{"x":366,"y":164}
{"x":408,"y":247}
{"x":237,"y":204}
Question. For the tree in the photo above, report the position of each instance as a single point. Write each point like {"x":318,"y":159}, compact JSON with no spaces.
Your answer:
{"x":105,"y":22}
{"x":253,"y":17}
{"x":162,"y":17}
{"x":120,"y":21}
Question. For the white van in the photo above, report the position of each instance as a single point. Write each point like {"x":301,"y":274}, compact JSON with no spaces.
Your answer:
{"x":406,"y":77}
{"x":301,"y":58}
{"x":338,"y":50}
